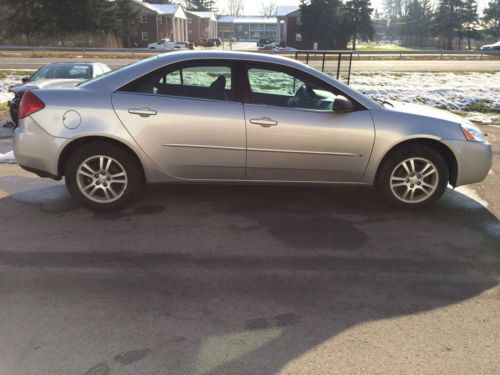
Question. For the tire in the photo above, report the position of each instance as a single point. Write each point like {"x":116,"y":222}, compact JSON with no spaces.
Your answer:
{"x":14,"y":115}
{"x":419,"y":184}
{"x":103,"y":176}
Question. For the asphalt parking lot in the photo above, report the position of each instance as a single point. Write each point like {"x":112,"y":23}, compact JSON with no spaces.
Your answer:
{"x":248,"y":280}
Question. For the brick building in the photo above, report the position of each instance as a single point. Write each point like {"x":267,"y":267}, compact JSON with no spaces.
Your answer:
{"x":160,"y":21}
{"x":289,"y":27}
{"x":201,"y":26}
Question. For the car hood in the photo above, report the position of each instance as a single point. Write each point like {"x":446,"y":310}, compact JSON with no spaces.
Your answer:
{"x":424,"y":110}
{"x":45,"y":83}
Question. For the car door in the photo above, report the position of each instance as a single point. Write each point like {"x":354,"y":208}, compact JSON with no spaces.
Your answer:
{"x":294,"y":135}
{"x":188,"y":120}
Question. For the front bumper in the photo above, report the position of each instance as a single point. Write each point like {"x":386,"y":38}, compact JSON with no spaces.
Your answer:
{"x":36,"y":150}
{"x":473,"y":160}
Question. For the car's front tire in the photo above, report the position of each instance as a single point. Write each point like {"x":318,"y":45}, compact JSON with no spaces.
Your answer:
{"x":103,"y":176}
{"x":414,"y":176}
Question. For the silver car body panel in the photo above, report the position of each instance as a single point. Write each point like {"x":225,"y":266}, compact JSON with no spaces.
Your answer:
{"x":209,"y":140}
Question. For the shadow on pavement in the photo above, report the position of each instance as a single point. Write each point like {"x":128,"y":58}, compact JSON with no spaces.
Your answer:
{"x":240,"y":280}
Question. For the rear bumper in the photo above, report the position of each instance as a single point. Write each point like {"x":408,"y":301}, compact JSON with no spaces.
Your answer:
{"x":36,"y":150}
{"x":473,"y":159}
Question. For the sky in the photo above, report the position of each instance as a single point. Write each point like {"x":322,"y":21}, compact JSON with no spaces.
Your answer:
{"x":253,"y":7}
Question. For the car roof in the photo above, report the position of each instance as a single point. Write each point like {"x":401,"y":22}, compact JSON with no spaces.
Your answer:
{"x":112,"y":82}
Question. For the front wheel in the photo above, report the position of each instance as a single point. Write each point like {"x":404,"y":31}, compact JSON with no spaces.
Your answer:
{"x":413,"y":177}
{"x":103,"y":176}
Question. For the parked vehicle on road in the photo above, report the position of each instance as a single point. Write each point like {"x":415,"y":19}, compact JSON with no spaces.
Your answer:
{"x":164,"y":44}
{"x":213,"y":42}
{"x":491,"y":47}
{"x":186,"y":45}
{"x":234,"y":117}
{"x":263,"y":42}
{"x":68,"y":74}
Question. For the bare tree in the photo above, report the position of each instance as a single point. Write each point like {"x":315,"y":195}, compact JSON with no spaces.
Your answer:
{"x":235,"y":7}
{"x":268,"y":8}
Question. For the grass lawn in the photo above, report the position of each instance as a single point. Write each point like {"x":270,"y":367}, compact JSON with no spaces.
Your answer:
{"x":384,"y":47}
{"x":12,"y":72}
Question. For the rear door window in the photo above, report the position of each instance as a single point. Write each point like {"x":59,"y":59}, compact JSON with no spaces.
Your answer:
{"x":205,"y":81}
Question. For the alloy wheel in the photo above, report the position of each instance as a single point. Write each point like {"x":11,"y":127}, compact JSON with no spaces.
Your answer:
{"x":414,"y":180}
{"x":102,"y":179}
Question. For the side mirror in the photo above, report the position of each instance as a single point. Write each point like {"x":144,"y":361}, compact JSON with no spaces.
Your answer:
{"x":342,"y":104}
{"x":25,"y":79}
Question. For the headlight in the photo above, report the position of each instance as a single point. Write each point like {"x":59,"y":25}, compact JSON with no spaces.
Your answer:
{"x":472,"y":132}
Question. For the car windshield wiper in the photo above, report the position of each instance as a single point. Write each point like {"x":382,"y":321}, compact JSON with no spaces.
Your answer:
{"x":383,"y":102}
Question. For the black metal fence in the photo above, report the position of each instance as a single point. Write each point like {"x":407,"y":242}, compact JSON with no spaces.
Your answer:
{"x":335,"y":63}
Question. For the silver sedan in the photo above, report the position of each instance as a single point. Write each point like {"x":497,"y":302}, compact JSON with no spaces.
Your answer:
{"x":198,"y":117}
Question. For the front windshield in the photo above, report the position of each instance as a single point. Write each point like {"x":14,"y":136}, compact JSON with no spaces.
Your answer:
{"x":69,"y":71}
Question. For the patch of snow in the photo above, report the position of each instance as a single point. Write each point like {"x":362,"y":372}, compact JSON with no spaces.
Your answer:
{"x":8,"y":158}
{"x":452,"y":91}
{"x":5,"y":83}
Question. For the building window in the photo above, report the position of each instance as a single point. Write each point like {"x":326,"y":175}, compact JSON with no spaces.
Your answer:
{"x":190,"y":21}
{"x":298,"y":37}
{"x":160,"y":20}
{"x":144,"y":18}
{"x":145,"y":35}
{"x":298,"y":20}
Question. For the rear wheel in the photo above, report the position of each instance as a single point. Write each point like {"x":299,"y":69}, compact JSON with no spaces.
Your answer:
{"x":103,"y":176}
{"x":413,"y":177}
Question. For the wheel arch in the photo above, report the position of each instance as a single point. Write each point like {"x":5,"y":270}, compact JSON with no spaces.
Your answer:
{"x":441,"y":148}
{"x":78,"y":142}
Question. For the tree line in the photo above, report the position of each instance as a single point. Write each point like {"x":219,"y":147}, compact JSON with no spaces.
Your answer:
{"x":415,"y":21}
{"x":63,"y":21}
{"x":334,"y":23}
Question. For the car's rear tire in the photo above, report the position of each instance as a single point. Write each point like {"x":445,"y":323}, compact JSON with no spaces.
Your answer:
{"x":412,"y":177}
{"x":14,"y":115}
{"x":103,"y":176}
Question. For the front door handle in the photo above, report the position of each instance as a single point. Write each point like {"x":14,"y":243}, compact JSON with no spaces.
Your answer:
{"x":264,"y":121}
{"x":143,"y":111}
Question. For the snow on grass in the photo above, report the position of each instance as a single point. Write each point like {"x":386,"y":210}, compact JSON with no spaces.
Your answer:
{"x":469,"y":92}
{"x":5,"y":83}
{"x":476,"y":94}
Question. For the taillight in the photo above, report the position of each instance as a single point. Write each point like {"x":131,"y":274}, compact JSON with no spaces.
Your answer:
{"x":30,"y":104}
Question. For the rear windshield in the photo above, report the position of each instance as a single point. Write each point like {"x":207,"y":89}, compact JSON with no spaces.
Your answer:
{"x":63,"y":71}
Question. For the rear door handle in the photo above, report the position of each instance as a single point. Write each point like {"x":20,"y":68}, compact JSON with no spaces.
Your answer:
{"x":264,"y":121}
{"x":143,"y":111}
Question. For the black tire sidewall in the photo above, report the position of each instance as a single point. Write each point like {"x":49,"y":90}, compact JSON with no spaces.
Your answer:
{"x":401,"y":154}
{"x":123,"y":156}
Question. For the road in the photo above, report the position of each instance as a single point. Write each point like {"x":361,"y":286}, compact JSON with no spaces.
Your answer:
{"x":248,"y":280}
{"x":491,"y":66}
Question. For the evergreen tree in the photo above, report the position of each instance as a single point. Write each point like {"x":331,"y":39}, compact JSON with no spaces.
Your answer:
{"x":415,"y":22}
{"x":127,"y":17}
{"x":359,"y":14}
{"x":491,"y":18}
{"x":202,"y":5}
{"x":324,"y":21}
{"x":448,"y":20}
{"x":470,"y":20}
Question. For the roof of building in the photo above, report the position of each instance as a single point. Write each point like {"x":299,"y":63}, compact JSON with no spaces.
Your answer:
{"x":247,"y":19}
{"x":209,"y":15}
{"x":161,"y":9}
{"x":283,"y":10}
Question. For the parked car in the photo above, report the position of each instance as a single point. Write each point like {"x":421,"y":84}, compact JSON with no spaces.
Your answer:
{"x":491,"y":47}
{"x":186,"y":45}
{"x":164,"y":44}
{"x":269,"y":47}
{"x":213,"y":42}
{"x":263,"y":42}
{"x":54,"y":75}
{"x":227,"y":117}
